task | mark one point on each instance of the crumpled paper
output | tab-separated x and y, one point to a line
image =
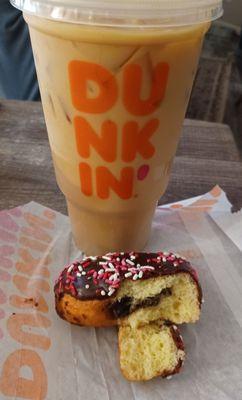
43	357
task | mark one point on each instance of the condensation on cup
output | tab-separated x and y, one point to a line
115	80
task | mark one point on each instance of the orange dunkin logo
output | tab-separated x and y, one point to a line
135	139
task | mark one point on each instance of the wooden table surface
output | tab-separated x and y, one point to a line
207	155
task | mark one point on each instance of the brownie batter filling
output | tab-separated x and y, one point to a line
126	305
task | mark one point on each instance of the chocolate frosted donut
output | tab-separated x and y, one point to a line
106	290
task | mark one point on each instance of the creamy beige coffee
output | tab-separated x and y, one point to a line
114	101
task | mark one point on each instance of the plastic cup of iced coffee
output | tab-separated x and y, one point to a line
115	79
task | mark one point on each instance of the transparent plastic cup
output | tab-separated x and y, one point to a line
115	80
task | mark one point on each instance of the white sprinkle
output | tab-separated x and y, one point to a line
129	262
174	327
103	292
128	274
106	258
175	264
138	265
103	263
84	273
70	268
80	268
111	291
113	277
118	259
87	286
164	259
122	253
78	274
158	258
132	257
92	258
166	253
135	277
169	377
101	271
140	274
111	265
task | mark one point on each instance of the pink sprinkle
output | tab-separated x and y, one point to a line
95	275
116	282
105	276
115	286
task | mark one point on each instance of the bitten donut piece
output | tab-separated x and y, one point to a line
106	290
150	351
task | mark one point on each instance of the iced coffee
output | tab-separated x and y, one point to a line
114	99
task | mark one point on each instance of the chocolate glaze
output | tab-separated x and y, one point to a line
100	277
176	336
180	346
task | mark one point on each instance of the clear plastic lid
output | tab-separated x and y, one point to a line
125	13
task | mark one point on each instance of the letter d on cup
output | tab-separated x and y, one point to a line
80	74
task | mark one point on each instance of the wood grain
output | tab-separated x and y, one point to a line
206	156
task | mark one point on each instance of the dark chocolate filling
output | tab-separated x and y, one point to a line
125	306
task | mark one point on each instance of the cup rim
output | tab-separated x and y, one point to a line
143	14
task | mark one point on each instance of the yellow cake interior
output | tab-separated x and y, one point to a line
148	351
181	305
